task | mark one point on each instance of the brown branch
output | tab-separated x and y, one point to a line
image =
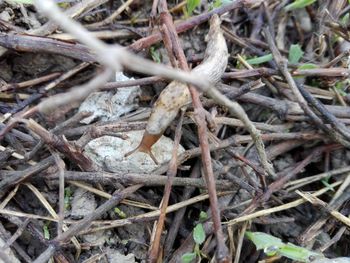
222	251
146	42
20	176
36	44
179	215
155	247
325	114
86	221
32	82
76	10
62	145
282	65
106	178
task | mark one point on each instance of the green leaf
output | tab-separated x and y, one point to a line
199	234
260	60
271	251
119	212
46	231
67	197
307	66
155	54
297	253
274	246
297	4
326	183
262	240
295	54
188	257
340	87
345	20
203	216
192	5
218	3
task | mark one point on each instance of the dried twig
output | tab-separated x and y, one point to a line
222	251
86	221
278	208
179	216
282	65
155	247
316	201
112	17
62	145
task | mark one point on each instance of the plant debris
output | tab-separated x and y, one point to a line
239	110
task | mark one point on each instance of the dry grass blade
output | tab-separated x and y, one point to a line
317	202
279	208
151	215
54	215
266	93
109	196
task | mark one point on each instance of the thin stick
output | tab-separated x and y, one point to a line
240	241
179	216
155	247
76	94
316	201
28	83
61	169
86	221
282	65
183	26
112	17
281	207
16	235
76	10
222	251
63	146
150	215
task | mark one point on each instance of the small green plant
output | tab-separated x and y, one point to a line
344	21
274	246
191	5
155	55
307	66
203	216
46	230
325	182
199	238
340	86
119	212
218	3
260	60
295	54
297	4
215	4
67	197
